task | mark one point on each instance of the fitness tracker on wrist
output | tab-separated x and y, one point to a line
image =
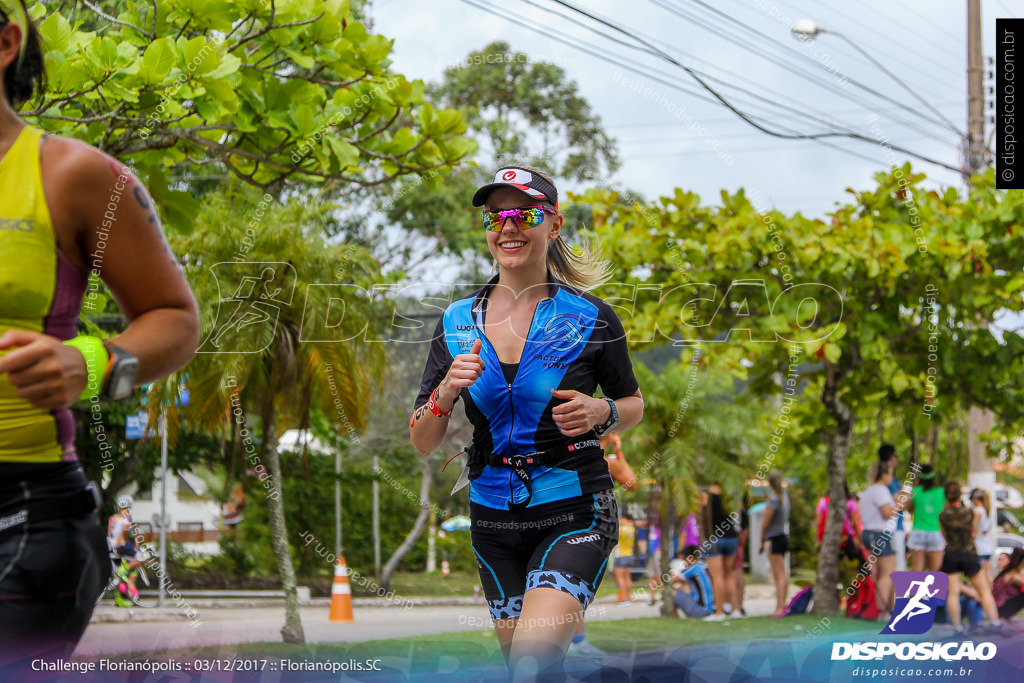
122	370
613	420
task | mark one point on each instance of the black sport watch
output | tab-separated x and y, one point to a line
119	382
613	420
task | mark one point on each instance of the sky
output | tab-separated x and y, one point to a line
670	138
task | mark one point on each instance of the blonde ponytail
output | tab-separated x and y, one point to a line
584	270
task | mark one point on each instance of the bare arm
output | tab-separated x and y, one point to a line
139	268
132	257
426	430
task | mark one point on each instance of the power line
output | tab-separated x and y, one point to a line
821	116
742	115
727	136
1005	9
906	87
490	9
786	49
812	78
733	119
875	30
771	102
956	40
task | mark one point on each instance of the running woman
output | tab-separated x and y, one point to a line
57	197
525	354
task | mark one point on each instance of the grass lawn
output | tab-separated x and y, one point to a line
421	584
480	648
460	584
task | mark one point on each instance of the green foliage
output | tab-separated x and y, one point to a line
882	310
274	92
521	111
455	547
529	111
859	293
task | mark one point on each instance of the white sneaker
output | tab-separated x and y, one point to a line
715	617
584	649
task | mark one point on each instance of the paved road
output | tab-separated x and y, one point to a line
167	628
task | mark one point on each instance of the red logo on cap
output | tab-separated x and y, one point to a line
508	175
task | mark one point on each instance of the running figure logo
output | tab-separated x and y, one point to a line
922	592
247	320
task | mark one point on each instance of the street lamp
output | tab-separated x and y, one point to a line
805	30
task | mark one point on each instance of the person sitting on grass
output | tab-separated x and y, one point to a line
693	594
1007	587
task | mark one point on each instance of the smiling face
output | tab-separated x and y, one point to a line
520	247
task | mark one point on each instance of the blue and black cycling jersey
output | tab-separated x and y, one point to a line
575	342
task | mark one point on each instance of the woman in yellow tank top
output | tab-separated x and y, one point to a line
65	209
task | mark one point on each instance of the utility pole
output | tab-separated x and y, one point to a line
979	421
974	159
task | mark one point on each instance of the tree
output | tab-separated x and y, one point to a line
270	92
528	110
270	349
520	111
889	299
689	431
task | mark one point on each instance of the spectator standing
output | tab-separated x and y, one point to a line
926	542
877	509
741	550
776	540
958	528
887	453
623	563
983	520
719	527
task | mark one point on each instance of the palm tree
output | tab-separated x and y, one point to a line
697	430
281	336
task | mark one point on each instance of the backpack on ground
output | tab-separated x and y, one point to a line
801	602
861	604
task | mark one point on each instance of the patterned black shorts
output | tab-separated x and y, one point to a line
562	545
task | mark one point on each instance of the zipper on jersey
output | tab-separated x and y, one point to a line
483	336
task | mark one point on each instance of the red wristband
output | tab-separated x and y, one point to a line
434	408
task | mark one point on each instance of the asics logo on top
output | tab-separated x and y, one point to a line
17	225
917	596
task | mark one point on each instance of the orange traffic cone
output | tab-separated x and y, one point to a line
341	594
445	569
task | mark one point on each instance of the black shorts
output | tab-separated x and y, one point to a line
51	572
779	544
562	545
966	563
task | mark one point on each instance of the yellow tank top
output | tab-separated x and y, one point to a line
627	536
40	291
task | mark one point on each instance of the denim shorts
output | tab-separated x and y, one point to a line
725	546
929	541
623	562
879	543
691	608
